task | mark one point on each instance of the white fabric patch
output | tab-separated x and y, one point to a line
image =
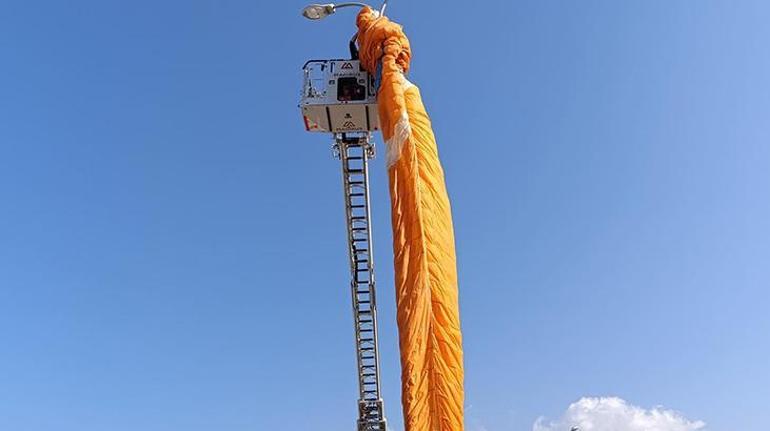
401	132
396	143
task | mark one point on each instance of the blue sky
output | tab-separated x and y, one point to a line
172	248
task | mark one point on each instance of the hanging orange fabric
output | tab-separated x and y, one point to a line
423	238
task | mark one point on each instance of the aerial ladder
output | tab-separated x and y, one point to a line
339	97
354	154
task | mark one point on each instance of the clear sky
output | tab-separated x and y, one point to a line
172	250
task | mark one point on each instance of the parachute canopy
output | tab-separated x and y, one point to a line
428	315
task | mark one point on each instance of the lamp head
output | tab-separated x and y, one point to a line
318	11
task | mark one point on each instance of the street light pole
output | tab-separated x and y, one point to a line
320	11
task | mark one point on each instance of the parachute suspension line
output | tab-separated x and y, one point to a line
354	153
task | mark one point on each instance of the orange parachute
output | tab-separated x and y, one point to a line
423	239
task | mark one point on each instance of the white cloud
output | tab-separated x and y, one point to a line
615	414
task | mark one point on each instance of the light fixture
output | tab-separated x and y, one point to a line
318	11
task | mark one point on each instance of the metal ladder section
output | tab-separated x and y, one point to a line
355	153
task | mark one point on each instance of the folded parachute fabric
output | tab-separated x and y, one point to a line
428	315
